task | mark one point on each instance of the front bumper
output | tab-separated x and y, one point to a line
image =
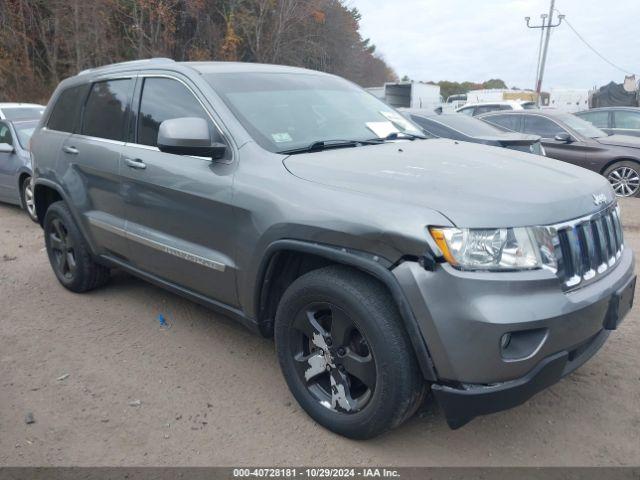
461	405
463	316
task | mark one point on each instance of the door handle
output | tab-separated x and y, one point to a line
135	163
71	150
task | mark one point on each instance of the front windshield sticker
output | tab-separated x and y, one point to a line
399	120
281	137
382	129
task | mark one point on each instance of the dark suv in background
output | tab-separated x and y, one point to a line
385	264
614	120
571	139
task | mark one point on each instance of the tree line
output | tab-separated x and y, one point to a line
45	41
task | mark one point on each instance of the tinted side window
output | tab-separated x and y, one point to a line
626	119
510	122
467	111
107	109
443	131
430	128
541	126
163	99
66	111
599	119
486	109
5	134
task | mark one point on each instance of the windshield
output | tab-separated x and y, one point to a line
581	126
468	125
24	130
288	111
22	113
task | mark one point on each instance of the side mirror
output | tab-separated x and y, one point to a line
564	137
6	148
189	136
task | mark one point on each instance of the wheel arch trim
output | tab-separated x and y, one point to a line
364	262
42	182
619	159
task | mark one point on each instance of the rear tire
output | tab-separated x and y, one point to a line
69	253
28	200
332	323
624	178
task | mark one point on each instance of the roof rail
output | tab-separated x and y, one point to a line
130	63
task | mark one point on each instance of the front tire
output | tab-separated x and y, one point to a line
28	200
344	353
624	177
69	253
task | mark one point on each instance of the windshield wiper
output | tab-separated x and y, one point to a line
407	135
326	144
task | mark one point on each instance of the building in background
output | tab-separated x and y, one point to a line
568	99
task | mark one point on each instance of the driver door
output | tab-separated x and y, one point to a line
178	207
571	152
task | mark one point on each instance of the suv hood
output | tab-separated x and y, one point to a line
620	141
473	185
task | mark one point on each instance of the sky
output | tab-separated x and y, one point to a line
477	40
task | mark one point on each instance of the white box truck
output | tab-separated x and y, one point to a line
409	95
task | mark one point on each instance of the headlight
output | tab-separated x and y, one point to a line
497	248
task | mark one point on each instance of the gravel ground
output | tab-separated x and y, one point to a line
106	385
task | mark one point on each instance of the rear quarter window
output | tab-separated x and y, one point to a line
65	114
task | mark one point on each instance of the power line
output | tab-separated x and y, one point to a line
596	51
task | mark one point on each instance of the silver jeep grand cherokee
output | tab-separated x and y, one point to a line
385	265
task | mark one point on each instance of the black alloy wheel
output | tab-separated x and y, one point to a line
63	249
332	358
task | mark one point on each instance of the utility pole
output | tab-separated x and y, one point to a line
542	51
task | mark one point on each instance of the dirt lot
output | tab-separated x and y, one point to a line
211	393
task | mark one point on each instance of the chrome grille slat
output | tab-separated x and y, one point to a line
604	249
611	239
588	247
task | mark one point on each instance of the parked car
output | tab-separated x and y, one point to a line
571	139
384	264
20	111
15	164
614	120
473	109
468	129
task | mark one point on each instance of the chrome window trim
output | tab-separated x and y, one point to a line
126	76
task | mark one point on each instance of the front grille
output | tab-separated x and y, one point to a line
586	248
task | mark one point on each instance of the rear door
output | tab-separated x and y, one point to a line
573	152
92	163
180	223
